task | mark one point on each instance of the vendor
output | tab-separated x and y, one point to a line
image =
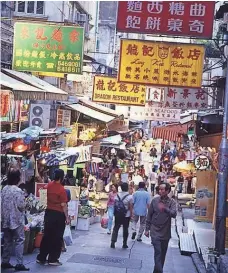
84	195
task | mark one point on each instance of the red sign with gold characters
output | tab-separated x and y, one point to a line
173	18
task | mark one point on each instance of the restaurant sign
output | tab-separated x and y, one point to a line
172	18
201	162
184	98
48	48
155	114
161	63
108	90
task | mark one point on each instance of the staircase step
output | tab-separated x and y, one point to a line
187	244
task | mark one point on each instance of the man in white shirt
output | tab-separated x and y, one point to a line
153	177
137	179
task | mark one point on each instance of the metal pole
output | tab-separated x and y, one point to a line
222	180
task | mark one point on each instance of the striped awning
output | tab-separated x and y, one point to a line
170	132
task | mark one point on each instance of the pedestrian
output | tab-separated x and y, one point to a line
162	146
153	177
141	202
13	217
56	216
158	225
110	206
162	177
153	151
180	183
123	214
155	162
137	178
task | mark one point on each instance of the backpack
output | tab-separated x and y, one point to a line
119	207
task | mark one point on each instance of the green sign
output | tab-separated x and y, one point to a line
48	48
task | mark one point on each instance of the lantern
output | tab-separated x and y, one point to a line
19	146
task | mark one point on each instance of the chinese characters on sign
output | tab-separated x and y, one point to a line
48	48
161	64
187	18
108	90
63	118
202	162
154	94
184	98
155	114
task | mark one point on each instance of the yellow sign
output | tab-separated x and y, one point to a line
158	63
108	90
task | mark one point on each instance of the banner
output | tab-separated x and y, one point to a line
48	48
108	90
185	98
171	18
155	114
161	63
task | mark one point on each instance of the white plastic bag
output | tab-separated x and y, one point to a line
67	236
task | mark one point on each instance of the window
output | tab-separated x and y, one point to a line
21	6
3	5
40	7
30	7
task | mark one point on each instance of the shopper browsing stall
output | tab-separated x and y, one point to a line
13	206
56	216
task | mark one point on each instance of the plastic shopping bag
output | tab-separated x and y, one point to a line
104	222
67	236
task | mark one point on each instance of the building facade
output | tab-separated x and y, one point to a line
6	34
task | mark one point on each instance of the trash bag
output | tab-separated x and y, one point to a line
104	222
67	236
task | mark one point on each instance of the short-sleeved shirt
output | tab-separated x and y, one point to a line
56	195
127	201
141	199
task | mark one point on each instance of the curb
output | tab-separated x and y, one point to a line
200	267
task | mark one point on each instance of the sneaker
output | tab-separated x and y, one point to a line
41	262
125	246
6	266
109	232
139	240
57	263
133	236
21	267
112	245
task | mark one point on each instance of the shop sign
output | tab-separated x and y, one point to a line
48	48
155	114
201	162
161	63
63	118
185	98
108	90
154	94
85	153
171	18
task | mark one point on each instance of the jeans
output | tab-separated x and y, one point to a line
142	219
160	249
121	221
10	235
110	217
51	244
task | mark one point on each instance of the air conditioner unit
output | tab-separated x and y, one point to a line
40	115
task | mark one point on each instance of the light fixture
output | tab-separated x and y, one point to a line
19	146
43	161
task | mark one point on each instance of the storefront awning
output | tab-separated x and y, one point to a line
25	86
91	113
170	132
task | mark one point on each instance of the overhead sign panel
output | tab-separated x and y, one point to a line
155	114
172	18
108	90
161	63
48	48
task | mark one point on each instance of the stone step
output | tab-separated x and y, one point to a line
187	244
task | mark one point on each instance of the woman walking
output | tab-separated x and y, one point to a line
110	206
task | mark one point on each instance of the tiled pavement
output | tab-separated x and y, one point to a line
138	258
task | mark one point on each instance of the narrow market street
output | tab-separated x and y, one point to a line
91	253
